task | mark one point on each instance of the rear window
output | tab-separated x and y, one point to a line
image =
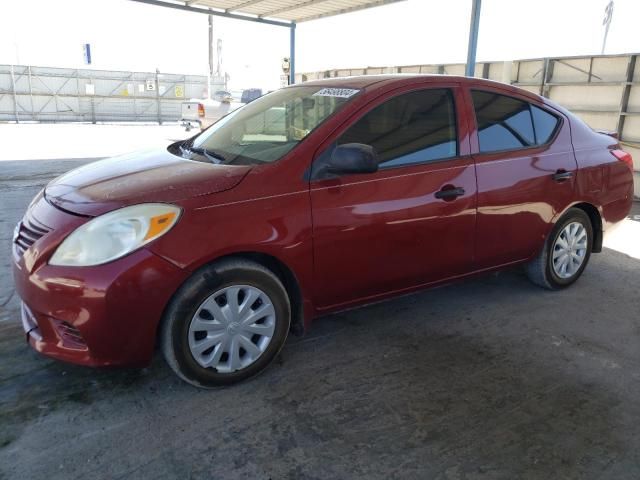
544	123
507	123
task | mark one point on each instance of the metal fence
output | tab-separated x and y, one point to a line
48	94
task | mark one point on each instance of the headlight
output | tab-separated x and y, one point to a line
115	234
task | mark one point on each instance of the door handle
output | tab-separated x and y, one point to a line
562	175
449	193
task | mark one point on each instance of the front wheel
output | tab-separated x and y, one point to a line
226	323
565	253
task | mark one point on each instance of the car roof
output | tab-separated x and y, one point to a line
372	82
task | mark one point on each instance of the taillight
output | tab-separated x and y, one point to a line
200	110
623	157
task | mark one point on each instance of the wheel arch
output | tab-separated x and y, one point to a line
595	216
286	276
280	269
596	222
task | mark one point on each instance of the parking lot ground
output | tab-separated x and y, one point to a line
492	378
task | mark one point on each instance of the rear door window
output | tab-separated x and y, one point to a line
507	123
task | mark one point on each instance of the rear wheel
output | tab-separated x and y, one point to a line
226	323
565	253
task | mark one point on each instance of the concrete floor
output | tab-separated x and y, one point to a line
488	379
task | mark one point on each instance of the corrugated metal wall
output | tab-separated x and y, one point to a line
49	94
603	90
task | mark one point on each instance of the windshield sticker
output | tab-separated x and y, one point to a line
336	92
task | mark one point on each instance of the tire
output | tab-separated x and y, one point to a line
543	271
205	343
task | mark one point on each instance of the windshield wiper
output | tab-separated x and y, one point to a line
211	156
214	157
184	149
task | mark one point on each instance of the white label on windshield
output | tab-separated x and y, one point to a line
336	92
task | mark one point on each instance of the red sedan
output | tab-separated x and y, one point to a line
311	199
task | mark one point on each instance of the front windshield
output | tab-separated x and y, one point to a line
264	130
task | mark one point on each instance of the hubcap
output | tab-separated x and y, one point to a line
569	250
232	328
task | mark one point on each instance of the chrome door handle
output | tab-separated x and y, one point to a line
450	193
562	175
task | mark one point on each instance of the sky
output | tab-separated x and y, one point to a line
126	35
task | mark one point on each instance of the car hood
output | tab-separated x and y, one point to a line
149	176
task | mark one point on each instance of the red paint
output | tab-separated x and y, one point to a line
115	306
347	240
137	178
517	196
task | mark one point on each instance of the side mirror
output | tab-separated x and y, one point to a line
352	158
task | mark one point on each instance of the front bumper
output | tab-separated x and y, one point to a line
95	316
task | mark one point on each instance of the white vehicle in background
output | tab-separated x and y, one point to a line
200	114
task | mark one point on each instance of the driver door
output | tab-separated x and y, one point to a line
411	222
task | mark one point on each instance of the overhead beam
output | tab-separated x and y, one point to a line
206	11
237	12
473	38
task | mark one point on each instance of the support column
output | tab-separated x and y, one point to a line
473	38
158	99
33	112
626	93
292	54
15	97
547	76
210	76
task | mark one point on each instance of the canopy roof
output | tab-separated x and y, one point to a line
288	13
287	10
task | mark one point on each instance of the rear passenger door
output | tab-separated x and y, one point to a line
402	226
526	174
